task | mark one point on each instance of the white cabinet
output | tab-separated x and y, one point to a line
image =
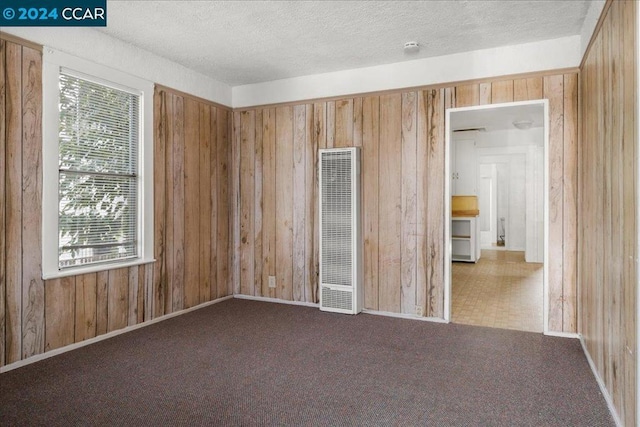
465	245
463	168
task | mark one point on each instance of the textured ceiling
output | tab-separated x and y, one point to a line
249	42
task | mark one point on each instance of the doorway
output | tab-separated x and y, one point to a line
497	155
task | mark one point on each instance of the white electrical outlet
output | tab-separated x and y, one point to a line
418	310
272	281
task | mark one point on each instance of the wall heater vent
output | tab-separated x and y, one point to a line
340	231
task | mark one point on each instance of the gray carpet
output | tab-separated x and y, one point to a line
252	363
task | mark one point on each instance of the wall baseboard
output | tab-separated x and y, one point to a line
404	316
603	387
276	300
365	311
562	334
74	346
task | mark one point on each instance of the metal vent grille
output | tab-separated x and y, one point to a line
336	218
337	299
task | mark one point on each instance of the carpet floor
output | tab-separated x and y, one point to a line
251	363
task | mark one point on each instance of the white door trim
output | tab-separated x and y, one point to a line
447	204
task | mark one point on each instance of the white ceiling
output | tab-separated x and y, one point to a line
242	42
497	117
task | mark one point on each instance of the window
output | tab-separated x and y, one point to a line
97	177
97	205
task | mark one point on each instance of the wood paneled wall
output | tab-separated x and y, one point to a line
402	136
192	222
193	217
22	292
608	231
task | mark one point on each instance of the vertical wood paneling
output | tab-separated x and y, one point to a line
214	184
527	89
403	217
269	200
172	126
310	224
587	279
32	283
233	280
118	293
450	97
553	90
616	345
607	228
36	316
370	184
330	124
142	281
191	203
570	202
299	187
13	201
85	306
160	199
258	204
502	91
59	312
583	85
343	123
204	197
102	293
467	95
284	205
630	237
178	276
132	313
166	210
357	122
234	235
408	227
598	211
224	203
436	104
605	160
147	310
390	202
591	282
247	198
3	165
319	141
422	186
485	93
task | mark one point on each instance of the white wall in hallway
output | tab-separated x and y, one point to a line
518	156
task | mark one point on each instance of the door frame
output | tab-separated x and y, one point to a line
447	204
493	220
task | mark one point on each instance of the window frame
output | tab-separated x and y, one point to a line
53	63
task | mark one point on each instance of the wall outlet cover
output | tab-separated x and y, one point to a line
272	281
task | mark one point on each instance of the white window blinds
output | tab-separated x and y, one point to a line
99	133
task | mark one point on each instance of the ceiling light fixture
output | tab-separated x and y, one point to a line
411	47
523	124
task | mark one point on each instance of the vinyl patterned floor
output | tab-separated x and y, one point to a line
500	291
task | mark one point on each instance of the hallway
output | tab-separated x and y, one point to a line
500	291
